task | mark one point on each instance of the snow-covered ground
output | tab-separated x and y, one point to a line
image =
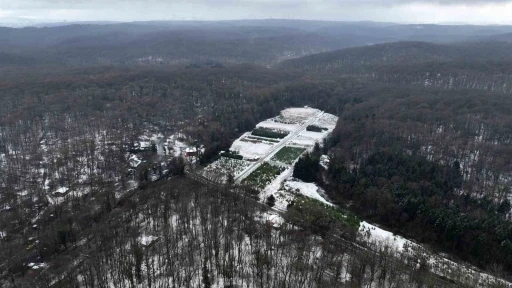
62	190
310	190
175	145
251	149
36	266
292	120
327	121
271	218
377	235
308	139
298	114
146	240
274	125
285	189
282	201
134	161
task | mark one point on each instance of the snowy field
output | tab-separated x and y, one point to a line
252	149
297	114
308	139
289	119
292	120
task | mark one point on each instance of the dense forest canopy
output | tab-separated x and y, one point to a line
468	65
422	146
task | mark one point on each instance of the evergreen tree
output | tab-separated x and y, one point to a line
271	201
307	168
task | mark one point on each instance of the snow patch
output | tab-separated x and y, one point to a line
145	240
310	190
271	218
134	161
62	190
375	234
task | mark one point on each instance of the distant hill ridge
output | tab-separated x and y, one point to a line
356	59
264	42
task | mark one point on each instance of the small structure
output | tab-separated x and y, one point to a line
191	152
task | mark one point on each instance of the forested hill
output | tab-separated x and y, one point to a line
15	59
361	59
470	65
171	43
500	38
72	129
263	42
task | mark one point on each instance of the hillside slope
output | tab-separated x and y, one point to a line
473	65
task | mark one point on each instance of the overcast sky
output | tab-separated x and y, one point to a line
407	11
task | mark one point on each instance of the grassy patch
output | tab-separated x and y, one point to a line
314	128
247	140
263	176
319	217
288	155
269	133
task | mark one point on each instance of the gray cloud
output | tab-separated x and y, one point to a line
51	4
